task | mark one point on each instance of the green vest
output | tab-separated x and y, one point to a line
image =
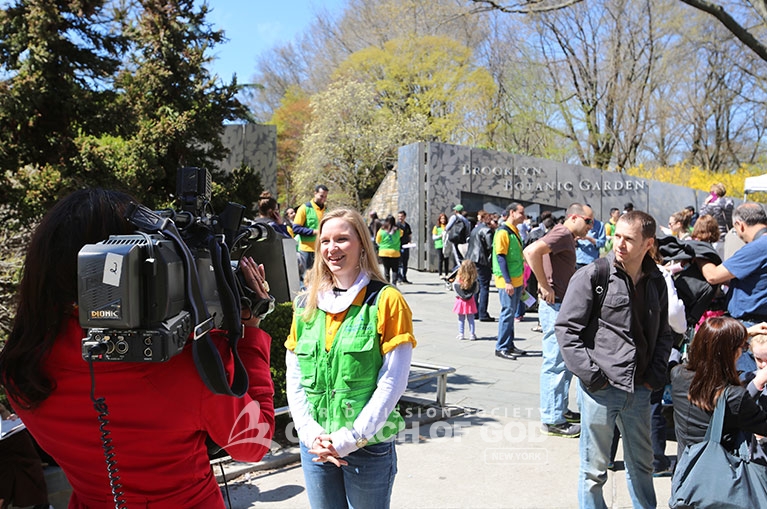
389	241
312	221
438	243
514	260
339	383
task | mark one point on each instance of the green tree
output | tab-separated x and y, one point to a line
431	77
291	120
57	60
174	109
351	144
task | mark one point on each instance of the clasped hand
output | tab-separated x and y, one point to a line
323	448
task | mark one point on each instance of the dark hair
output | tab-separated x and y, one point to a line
48	289
646	222
750	213
576	209
712	358
706	229
402	212
682	217
512	206
628	206
320	187
266	203
614	209
390	222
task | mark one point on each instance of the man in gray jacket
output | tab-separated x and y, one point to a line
620	353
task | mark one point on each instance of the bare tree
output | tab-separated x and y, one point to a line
599	59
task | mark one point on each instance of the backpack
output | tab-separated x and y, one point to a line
459	232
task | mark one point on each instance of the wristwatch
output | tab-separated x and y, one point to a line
360	440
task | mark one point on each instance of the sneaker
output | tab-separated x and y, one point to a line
663	472
459	336
565	429
473	337
572	417
536	328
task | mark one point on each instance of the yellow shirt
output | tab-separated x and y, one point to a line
501	243
307	244
395	322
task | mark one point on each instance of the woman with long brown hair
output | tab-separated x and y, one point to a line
159	414
698	385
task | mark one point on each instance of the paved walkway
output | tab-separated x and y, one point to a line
490	455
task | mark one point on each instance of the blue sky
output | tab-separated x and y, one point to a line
255	26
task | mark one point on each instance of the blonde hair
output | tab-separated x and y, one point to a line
467	274
759	338
320	277
719	189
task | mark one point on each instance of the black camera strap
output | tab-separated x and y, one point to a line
207	358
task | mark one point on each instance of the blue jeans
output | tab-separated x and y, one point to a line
555	377
506	319
365	483
745	363
484	275
600	412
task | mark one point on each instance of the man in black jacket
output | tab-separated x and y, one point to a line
480	251
620	354
407	236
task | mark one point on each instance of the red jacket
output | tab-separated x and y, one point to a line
159	417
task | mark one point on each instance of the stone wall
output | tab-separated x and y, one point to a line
254	145
433	177
385	199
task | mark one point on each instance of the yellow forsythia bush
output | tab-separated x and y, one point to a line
699	178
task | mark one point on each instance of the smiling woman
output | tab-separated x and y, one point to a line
348	359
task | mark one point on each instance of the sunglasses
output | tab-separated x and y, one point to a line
586	220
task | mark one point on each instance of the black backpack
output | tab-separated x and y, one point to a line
459	232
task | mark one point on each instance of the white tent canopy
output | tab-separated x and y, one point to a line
755	185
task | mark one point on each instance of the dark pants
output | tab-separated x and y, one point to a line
484	275
658	432
444	263
390	266
404	257
22	481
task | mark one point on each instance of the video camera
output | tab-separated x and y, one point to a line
141	295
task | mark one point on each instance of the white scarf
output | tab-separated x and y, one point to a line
335	301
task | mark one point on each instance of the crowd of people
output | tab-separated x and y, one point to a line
628	312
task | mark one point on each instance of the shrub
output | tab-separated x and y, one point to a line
277	325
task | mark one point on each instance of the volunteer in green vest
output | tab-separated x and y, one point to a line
437	234
388	240
306	225
348	360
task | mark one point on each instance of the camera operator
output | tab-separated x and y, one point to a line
159	413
